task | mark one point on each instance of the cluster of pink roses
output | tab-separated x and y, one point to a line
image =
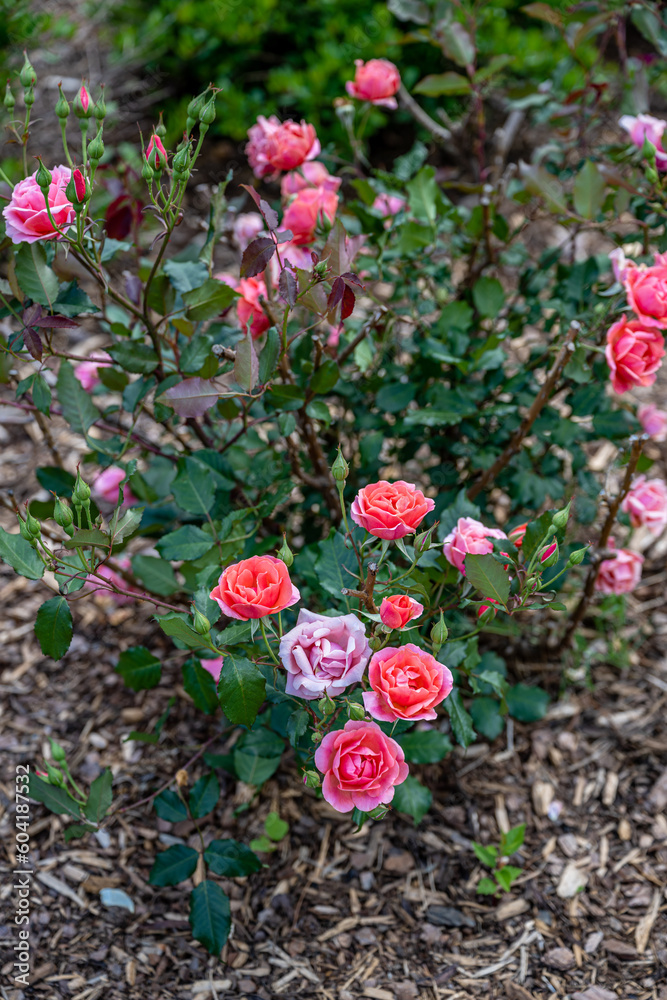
636	347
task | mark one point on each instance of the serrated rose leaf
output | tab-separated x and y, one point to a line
287	286
256	256
54	322
246	365
270	215
33	344
192	397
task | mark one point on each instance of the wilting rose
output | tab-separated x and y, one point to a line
517	534
309	207
312	174
642	127
247	226
407	683
115	578
249	306
646	504
634	353
255	587
376	81
105	487
620	574
87	371
654	421
26	217
469	537
323	655
390	510
361	767
398	610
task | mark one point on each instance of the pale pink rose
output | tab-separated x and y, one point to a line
26	217
247	226
398	610
469	536
621	574
389	204
87	372
376	81
323	655
114	578
249	306
406	683
254	588
105	487
309	206
642	127
654	421
646	288
312	174
214	667
361	767
634	353
646	504
620	263
390	510
276	146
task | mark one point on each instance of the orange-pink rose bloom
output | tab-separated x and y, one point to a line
634	353
398	610
376	81
254	588
407	683
390	510
249	306
309	206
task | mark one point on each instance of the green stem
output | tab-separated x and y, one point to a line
266	642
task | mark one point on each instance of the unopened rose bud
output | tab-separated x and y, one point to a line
82	103
57	751
549	555
62	107
156	154
560	519
648	150
340	470
487	612
9	100
207	113
181	161
375	642
160	128
81	491
182	778
285	553
201	624
321	268
43	176
96	148
326	705
316	736
77	189
27	76
194	110
147	172
517	534
651	174
62	513
357	712
100	107
577	557
32	524
25	532
312	779
422	542
439	632
56	776
379	812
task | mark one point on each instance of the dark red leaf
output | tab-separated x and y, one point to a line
33	343
31	314
253	194
336	294
122	214
287	286
352	278
314	257
256	256
54	322
347	307
270	215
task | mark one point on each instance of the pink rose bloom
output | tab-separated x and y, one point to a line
249	306
297	255
469	536
312	174
398	610
621	574
214	667
323	655
620	263
276	146
634	353
310	206
642	127
361	767
106	486
654	421
646	504
26	217
376	81
114	578
389	204
390	510
247	225
646	288
256	149
87	373
254	588
407	683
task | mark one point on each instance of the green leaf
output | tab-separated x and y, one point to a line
526	703
53	797
241	689
231	859
438	84
170	806
78	408
139	669
511	841
204	796
140	359
487	855
275	827
20	555
589	190
210	916
41	395
488	577
269	355
253	768
176	626
99	797
246	365
427	747
53	627
155	574
456	43
35	278
297	725
423	193
200	685
325	377
332	562
209	300
184	275
486	887
506	875
188	542
88	536
194	487
486	717
488	296
77	830
123	525
461	721
413	798
55	480
173	865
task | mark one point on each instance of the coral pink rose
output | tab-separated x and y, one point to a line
361	767
309	206
313	174
376	81
390	510
247	225
26	217
254	588
114	578
646	504
323	655
634	353
642	127
87	372
646	288
621	574
469	536
105	487
517	534
407	683
249	306
654	421
256	149
398	610
274	146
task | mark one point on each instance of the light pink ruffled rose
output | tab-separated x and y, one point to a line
407	683
398	610
247	226
87	372
654	421
390	510
621	574
646	504
274	146
26	217
114	578
323	655
255	587
361	767
634	353
312	174
375	81
105	487
640	127
308	207
469	537
249	306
